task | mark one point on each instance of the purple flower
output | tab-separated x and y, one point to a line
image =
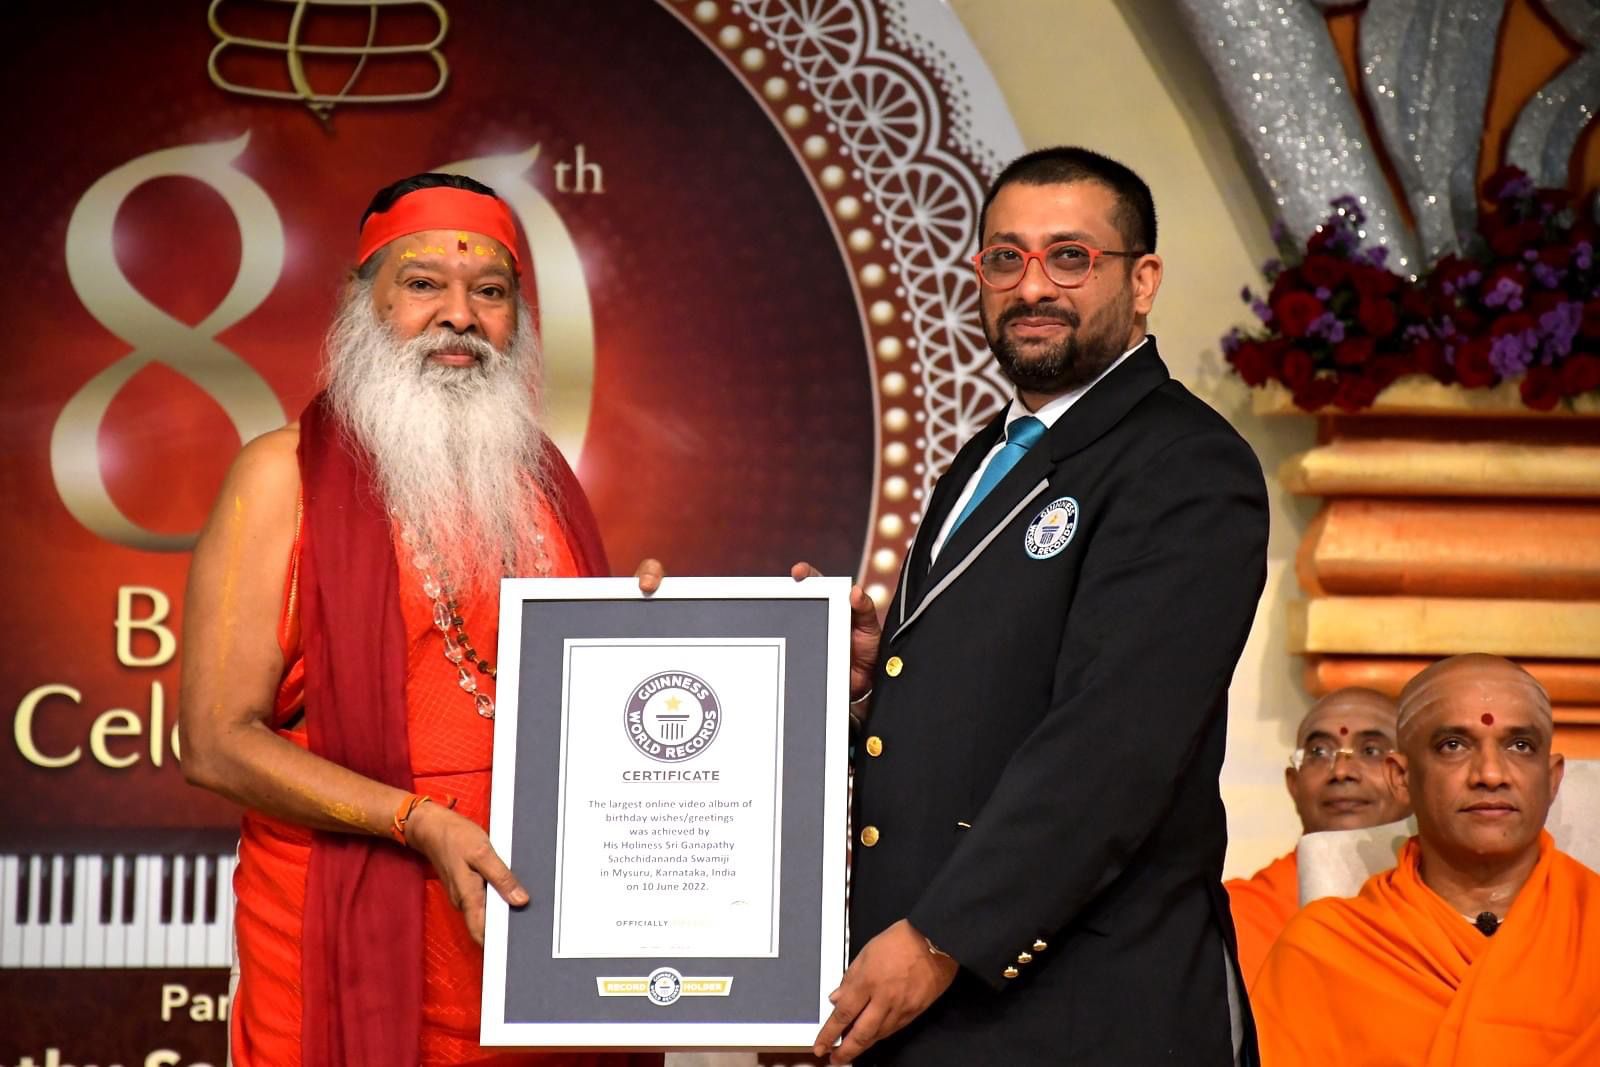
1272	268
1323	293
1377	255
1516	188
1415	332
1262	309
1506	293
1280	232
1583	255
1349	207
1328	327
1511	353
1232	340
1548	276
1245	295
1559	327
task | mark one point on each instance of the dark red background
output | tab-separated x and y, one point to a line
731	429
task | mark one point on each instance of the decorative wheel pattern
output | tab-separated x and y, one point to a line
881	116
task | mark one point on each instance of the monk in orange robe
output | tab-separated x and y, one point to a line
1478	949
340	635
1337	782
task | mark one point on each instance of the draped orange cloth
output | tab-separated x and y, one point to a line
451	753
1262	906
1396	976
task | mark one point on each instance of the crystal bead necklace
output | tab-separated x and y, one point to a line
447	616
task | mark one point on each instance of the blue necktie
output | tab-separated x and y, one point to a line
1021	434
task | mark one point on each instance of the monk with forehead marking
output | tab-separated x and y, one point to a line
1477	948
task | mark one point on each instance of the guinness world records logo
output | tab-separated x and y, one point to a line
672	716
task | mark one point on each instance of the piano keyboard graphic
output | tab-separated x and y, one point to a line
113	911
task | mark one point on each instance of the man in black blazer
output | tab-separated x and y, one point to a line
1040	834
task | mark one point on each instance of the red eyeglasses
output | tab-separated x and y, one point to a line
1068	264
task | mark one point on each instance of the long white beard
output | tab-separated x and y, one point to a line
457	450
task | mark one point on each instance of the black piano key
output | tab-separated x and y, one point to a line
213	887
108	868
24	891
47	884
167	889
191	887
129	871
69	888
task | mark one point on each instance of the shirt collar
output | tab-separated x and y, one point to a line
1052	409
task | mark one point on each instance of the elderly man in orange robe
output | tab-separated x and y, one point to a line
340	634
1337	782
1478	949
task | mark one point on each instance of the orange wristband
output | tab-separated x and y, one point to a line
403	813
408	807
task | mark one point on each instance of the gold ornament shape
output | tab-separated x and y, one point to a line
294	49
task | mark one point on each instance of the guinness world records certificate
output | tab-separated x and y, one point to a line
669	785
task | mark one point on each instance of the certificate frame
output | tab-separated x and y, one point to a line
552	975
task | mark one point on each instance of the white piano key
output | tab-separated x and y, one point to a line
33	927
177	930
147	946
229	910
55	917
72	936
93	931
134	944
116	941
10	929
210	949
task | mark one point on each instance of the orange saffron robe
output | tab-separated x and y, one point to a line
1396	976
1262	906
451	753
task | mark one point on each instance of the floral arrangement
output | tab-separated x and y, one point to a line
1521	302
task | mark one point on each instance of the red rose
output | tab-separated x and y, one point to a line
1295	312
1389	366
1414	303
1353	351
1472	363
1467	320
1374	281
1590	327
1427	356
1544	301
1315	394
1355	392
1296	368
1540	389
1580	374
1557	256
1377	316
1508	241
1253	362
1322	271
1516	322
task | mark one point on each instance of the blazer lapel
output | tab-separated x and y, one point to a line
1095	413
914	574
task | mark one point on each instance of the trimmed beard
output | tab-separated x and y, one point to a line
1068	364
457	452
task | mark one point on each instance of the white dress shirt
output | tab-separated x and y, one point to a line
1048	413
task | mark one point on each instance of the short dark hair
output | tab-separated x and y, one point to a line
1135	216
384	198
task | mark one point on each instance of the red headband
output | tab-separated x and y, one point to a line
440	208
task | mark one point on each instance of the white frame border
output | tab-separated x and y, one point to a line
495	1031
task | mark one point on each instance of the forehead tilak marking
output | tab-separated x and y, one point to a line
1487	719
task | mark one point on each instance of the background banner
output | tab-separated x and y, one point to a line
747	226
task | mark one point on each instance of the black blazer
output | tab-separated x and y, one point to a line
1038	773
